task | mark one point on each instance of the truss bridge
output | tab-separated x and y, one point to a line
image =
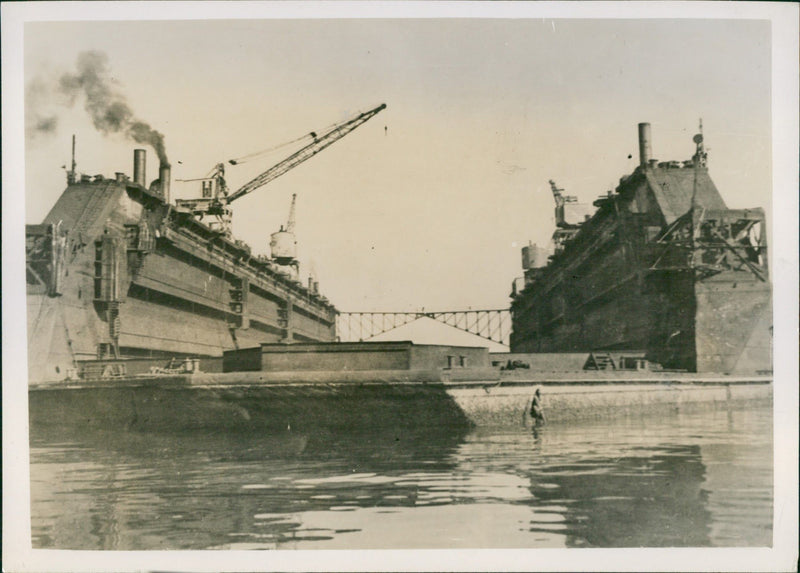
494	324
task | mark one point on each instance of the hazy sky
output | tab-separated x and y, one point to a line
428	204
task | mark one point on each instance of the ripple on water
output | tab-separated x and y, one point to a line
671	480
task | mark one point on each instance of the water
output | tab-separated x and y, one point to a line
675	480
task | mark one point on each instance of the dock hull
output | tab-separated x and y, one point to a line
662	270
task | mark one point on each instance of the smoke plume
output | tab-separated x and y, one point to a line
108	109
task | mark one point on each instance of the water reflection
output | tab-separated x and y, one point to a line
696	480
142	490
655	499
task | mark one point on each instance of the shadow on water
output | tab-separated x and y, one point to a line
190	489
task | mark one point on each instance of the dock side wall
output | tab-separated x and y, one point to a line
564	403
240	401
734	326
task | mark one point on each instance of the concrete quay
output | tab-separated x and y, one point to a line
399	399
568	398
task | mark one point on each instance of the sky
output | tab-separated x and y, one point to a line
428	204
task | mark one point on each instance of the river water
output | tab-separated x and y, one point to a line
672	480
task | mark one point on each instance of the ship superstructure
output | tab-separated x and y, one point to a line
662	270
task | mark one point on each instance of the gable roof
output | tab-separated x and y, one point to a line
673	190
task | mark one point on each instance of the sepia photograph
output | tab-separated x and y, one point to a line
541	294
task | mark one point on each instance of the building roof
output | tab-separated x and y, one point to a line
673	189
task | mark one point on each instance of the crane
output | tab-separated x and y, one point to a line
216	199
561	200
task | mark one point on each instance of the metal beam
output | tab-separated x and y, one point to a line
491	324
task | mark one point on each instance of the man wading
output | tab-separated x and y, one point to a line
537	412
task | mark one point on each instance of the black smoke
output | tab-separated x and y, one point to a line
107	107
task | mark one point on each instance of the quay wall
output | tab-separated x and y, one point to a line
175	406
379	399
572	401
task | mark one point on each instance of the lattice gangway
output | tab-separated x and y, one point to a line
494	325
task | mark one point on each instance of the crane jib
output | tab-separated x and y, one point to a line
331	136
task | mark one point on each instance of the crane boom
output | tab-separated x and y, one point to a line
557	194
321	142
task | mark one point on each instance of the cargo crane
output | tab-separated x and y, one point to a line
564	230
216	200
561	200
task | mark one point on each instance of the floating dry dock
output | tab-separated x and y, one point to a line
659	264
372	388
119	270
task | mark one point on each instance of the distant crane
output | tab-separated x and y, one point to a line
564	229
561	200
283	243
216	200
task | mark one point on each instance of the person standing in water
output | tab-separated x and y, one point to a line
537	412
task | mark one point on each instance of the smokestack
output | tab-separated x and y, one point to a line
164	173
139	158
71	177
644	144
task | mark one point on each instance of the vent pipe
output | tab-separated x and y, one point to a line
164	173
139	158
644	144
